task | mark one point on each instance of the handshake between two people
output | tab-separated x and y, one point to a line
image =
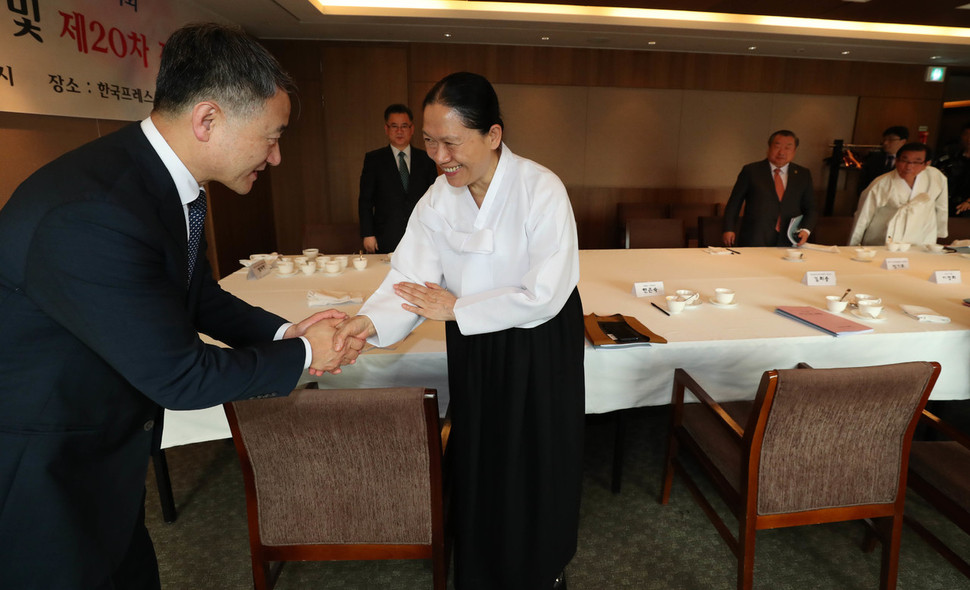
335	339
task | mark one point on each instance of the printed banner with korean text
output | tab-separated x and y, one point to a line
85	58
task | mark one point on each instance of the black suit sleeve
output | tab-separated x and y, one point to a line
106	276
738	195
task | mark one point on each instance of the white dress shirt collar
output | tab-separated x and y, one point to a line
185	183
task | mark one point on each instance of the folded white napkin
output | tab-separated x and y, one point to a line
717	251
321	297
924	314
820	248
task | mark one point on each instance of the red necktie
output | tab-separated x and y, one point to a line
780	191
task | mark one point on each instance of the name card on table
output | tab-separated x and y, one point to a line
648	288
946	277
259	269
820	278
895	263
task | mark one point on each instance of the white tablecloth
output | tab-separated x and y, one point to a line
725	349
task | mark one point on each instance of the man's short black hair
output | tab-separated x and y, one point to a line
897	130
398	108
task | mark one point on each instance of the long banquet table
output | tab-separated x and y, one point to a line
725	349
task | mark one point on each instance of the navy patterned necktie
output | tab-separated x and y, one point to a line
402	167
197	210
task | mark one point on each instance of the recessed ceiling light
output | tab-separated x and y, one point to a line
752	48
651	42
963	7
448	35
544	38
936	57
846	52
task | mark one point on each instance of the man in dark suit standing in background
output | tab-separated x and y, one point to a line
773	192
104	289
394	178
879	162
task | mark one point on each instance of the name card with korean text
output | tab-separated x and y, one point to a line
258	269
946	277
895	263
648	288
820	278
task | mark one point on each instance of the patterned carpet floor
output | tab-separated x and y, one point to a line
626	541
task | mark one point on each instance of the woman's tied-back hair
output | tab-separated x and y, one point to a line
471	96
209	61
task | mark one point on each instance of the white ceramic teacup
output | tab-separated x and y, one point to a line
936	248
870	307
285	266
300	260
321	260
723	295
835	304
311	253
686	295
897	246
675	304
860	297
360	263
864	253
309	267
342	260
332	266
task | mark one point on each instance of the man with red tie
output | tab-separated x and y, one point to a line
773	191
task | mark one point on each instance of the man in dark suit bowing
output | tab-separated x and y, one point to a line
392	181
104	289
773	192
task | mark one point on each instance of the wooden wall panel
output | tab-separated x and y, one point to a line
27	142
632	137
547	124
875	114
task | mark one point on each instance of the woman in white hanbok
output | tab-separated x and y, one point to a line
491	249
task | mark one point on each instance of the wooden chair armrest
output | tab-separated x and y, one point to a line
681	376
952	433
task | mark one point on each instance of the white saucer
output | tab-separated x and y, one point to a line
864	316
802	259
694	304
287	275
716	304
863	259
937	253
334	274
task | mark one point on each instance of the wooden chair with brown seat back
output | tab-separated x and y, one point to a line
627	211
333	238
832	231
710	231
939	471
691	214
815	446
655	233
341	475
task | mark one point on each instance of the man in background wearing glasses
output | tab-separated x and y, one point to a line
908	204
393	179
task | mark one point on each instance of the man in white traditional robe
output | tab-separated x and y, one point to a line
908	204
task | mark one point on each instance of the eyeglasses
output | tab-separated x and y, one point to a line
404	127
